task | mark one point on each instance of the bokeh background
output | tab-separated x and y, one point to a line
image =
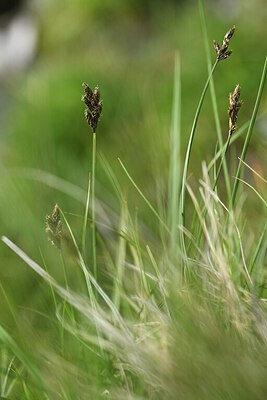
126	47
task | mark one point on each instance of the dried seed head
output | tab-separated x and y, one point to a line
87	90
217	47
94	106
222	52
230	33
225	55
87	102
234	107
96	97
54	227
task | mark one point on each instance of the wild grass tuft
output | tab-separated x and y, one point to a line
133	323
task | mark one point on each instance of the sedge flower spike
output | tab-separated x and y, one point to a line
234	107
94	106
222	52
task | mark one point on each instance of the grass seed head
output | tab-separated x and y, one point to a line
222	52
234	107
94	105
54	227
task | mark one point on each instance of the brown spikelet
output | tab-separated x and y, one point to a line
54	227
87	90
230	33
234	107
217	47
93	104
222	52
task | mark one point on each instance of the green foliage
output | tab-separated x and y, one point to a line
127	308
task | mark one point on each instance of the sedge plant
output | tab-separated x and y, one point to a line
92	113
144	332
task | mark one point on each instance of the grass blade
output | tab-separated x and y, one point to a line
120	260
213	96
255	190
175	162
144	197
249	133
12	346
254	172
190	143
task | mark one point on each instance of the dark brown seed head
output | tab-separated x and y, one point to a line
222	52
216	46
234	107
96	97
225	55
94	106
87	90
230	33
97	110
87	102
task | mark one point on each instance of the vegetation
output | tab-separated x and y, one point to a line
166	300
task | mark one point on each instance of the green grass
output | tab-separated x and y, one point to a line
123	319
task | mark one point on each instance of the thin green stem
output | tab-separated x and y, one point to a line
213	97
222	160
86	217
187	157
204	209
190	143
175	164
93	206
249	133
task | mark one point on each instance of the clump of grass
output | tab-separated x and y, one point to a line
148	331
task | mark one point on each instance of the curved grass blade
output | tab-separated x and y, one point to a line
213	96
144	197
249	133
12	346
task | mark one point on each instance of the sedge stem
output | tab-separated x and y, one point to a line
93	206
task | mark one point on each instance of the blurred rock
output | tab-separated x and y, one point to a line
18	37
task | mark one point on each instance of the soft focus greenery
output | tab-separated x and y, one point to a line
182	335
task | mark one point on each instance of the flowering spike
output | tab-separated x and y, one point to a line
234	107
94	106
54	227
222	52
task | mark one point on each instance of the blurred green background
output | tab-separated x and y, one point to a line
127	48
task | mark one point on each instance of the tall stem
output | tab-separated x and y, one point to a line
175	164
213	97
222	160
249	133
93	206
189	147
204	209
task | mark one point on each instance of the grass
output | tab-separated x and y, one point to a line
131	323
249	132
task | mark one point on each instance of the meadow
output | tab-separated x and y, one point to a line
133	244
